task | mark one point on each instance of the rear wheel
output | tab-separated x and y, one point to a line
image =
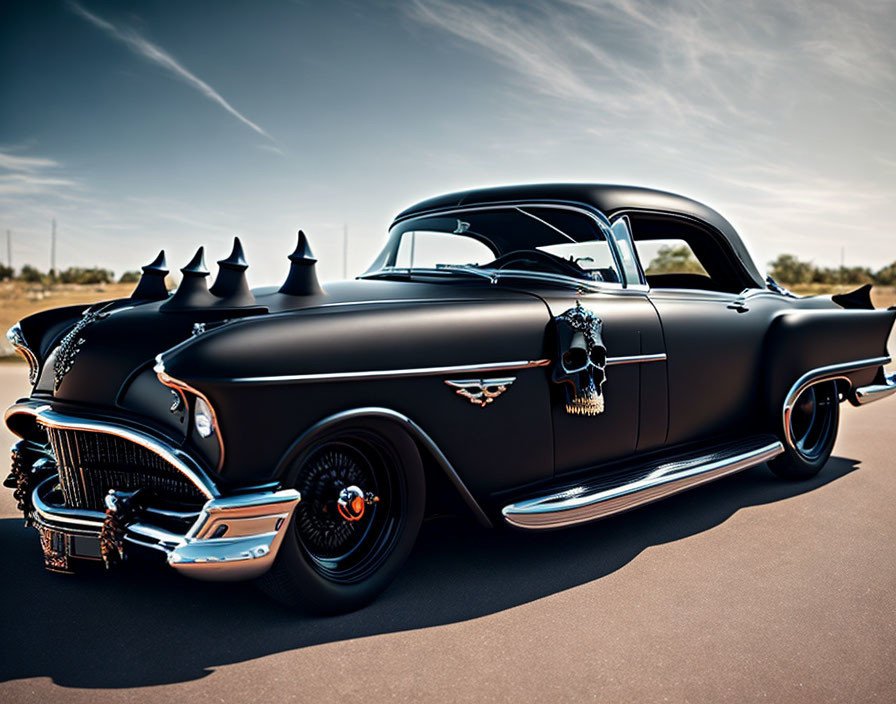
814	421
363	496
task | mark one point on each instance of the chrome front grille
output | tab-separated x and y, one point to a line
92	463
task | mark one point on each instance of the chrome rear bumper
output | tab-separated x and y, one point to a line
231	538
875	392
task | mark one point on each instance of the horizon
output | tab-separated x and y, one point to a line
142	126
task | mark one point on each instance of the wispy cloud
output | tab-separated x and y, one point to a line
27	175
627	59
13	162
151	52
760	107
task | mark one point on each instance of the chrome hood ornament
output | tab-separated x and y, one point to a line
481	392
71	344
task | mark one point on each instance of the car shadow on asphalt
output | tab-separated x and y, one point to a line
140	628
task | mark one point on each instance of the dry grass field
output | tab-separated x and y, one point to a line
881	296
18	299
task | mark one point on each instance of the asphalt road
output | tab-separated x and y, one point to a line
746	589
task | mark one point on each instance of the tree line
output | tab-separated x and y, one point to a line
786	269
789	269
73	275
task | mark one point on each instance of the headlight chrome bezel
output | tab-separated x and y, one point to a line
191	397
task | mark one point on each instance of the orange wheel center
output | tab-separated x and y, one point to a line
352	503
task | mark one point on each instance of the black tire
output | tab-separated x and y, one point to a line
813	427
329	565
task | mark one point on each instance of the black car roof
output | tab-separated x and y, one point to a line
608	198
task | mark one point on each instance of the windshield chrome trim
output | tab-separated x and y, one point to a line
495	275
601	220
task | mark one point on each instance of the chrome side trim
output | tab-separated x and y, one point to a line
636	359
391	373
875	392
415	432
830	372
47	417
574	506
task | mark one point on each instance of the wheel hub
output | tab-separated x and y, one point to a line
353	501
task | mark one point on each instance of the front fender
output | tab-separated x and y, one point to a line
271	379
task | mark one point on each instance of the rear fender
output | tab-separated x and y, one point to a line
813	345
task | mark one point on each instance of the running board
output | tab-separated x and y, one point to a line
620	491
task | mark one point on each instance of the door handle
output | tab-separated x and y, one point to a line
739	305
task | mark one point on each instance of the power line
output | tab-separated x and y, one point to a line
53	249
345	251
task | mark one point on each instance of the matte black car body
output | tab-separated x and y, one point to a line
703	377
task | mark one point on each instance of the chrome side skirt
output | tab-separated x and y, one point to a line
615	494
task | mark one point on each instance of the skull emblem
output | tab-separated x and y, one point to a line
581	360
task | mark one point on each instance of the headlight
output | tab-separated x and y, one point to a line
203	418
17	340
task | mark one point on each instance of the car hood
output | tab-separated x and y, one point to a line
95	358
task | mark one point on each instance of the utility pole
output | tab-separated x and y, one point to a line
345	251
9	249
842	257
53	250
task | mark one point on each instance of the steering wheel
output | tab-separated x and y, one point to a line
536	260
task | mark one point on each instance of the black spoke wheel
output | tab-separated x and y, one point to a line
362	499
339	549
813	425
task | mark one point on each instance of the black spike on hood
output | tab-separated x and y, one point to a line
231	284
193	290
151	286
302	278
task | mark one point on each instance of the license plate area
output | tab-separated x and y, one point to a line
60	547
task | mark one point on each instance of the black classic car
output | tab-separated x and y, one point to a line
514	353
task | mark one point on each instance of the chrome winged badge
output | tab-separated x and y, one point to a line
481	392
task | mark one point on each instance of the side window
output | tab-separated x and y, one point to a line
425	249
668	256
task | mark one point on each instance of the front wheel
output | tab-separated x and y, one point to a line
363	496
813	426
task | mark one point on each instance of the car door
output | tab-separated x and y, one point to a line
713	336
634	412
714	346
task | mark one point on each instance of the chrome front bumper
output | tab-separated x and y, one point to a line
231	538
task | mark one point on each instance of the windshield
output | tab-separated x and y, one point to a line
545	239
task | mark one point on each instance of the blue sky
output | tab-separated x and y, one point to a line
162	124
